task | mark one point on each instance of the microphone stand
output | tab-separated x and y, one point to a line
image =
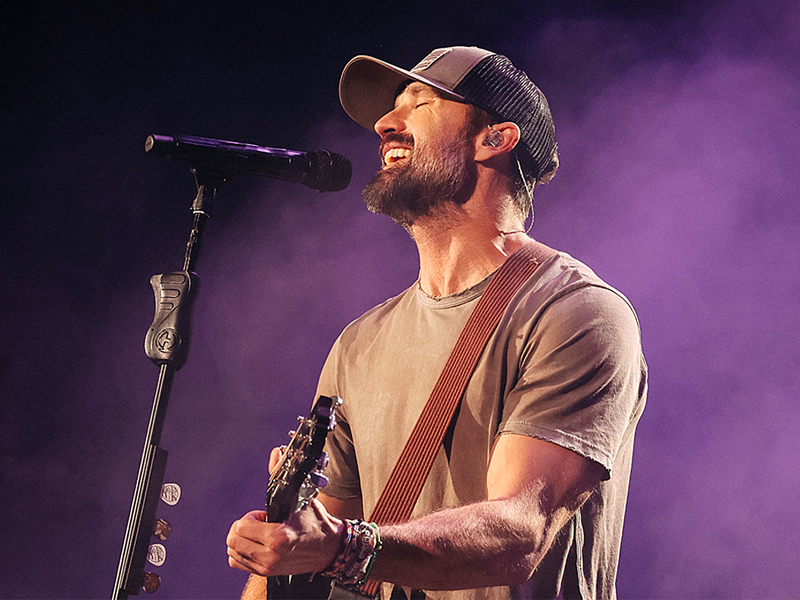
167	345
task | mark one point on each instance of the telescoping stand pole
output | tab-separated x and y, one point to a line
167	345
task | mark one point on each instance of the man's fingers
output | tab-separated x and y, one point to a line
306	542
275	457
272	534
258	560
251	526
239	562
256	546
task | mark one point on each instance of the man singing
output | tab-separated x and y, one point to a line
526	497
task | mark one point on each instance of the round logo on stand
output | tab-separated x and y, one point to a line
168	339
171	493
157	554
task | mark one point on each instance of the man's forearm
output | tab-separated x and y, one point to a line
480	545
490	543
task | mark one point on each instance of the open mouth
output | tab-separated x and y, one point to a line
394	155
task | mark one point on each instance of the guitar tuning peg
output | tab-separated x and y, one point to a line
151	582
292	432
322	461
318	479
162	529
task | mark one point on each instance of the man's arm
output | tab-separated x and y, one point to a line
533	488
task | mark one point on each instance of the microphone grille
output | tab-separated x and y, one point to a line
329	172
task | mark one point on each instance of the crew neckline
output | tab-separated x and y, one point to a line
456	299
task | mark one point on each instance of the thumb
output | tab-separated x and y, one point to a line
256	515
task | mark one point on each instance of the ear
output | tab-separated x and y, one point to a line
496	140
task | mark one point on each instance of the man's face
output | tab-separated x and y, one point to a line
426	154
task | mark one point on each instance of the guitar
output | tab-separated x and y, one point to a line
297	479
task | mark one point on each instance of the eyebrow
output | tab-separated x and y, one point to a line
417	88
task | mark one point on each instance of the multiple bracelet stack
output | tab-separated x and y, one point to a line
360	546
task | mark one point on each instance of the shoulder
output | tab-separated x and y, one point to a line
566	311
368	324
564	285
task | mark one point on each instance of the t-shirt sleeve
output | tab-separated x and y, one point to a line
581	376
342	470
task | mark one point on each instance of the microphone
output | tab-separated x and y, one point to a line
323	171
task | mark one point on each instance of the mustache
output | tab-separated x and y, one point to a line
400	138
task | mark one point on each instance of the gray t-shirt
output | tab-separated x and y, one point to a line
564	365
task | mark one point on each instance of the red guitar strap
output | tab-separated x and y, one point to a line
405	483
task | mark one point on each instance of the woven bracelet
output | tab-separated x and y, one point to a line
360	546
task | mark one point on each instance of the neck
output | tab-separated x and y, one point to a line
460	248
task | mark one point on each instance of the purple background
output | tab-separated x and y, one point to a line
679	132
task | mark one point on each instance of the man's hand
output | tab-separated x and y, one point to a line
306	542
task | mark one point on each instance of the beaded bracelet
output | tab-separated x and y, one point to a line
360	546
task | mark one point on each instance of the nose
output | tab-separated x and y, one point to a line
391	122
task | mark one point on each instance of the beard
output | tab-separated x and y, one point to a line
434	176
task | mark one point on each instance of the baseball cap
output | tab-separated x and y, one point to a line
368	88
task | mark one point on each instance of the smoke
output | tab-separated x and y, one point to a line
679	140
678	185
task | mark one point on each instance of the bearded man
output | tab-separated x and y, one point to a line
526	496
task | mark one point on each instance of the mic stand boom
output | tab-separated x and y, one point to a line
167	345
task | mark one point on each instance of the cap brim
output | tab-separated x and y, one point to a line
368	88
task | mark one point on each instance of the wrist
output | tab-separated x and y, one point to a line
360	544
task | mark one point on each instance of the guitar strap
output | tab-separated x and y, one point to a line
405	483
